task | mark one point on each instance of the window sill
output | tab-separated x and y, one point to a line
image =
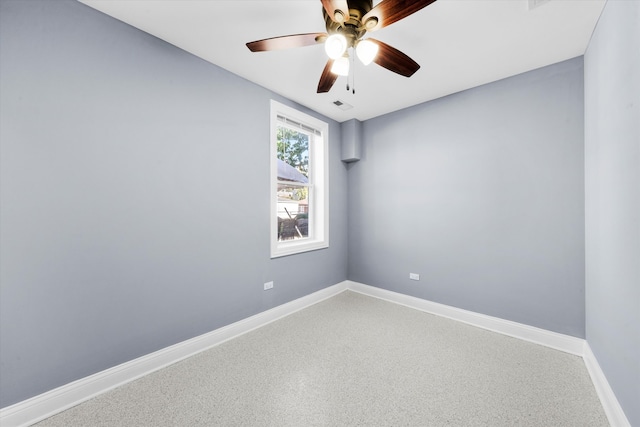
292	248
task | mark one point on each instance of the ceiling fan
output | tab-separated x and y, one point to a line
347	22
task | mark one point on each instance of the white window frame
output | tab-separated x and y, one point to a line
318	184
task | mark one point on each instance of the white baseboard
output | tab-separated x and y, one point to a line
52	402
568	344
610	403
57	400
557	341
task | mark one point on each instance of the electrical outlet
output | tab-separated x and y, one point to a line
268	285
414	276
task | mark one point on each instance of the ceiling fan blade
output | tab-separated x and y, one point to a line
327	79
287	42
338	10
389	11
394	60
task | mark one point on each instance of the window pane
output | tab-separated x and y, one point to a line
293	155
293	212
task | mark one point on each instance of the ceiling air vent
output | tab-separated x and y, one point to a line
342	105
535	3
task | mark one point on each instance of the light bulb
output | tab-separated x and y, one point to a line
335	45
366	51
341	66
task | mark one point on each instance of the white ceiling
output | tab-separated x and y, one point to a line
458	43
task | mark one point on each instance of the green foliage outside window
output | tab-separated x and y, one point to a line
293	148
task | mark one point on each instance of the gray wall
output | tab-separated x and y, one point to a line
135	198
482	194
612	175
122	232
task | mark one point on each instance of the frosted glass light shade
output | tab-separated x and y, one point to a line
341	66
335	45
367	51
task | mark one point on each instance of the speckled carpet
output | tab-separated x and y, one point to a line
354	360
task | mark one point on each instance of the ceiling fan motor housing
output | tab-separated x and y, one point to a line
353	28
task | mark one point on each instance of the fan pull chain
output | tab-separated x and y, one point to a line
353	81
348	82
352	74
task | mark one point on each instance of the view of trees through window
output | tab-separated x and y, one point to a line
293	183
293	149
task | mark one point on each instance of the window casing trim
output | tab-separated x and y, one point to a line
318	183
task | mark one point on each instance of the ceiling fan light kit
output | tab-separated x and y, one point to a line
366	50
347	22
335	46
341	66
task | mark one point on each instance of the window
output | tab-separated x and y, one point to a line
299	182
